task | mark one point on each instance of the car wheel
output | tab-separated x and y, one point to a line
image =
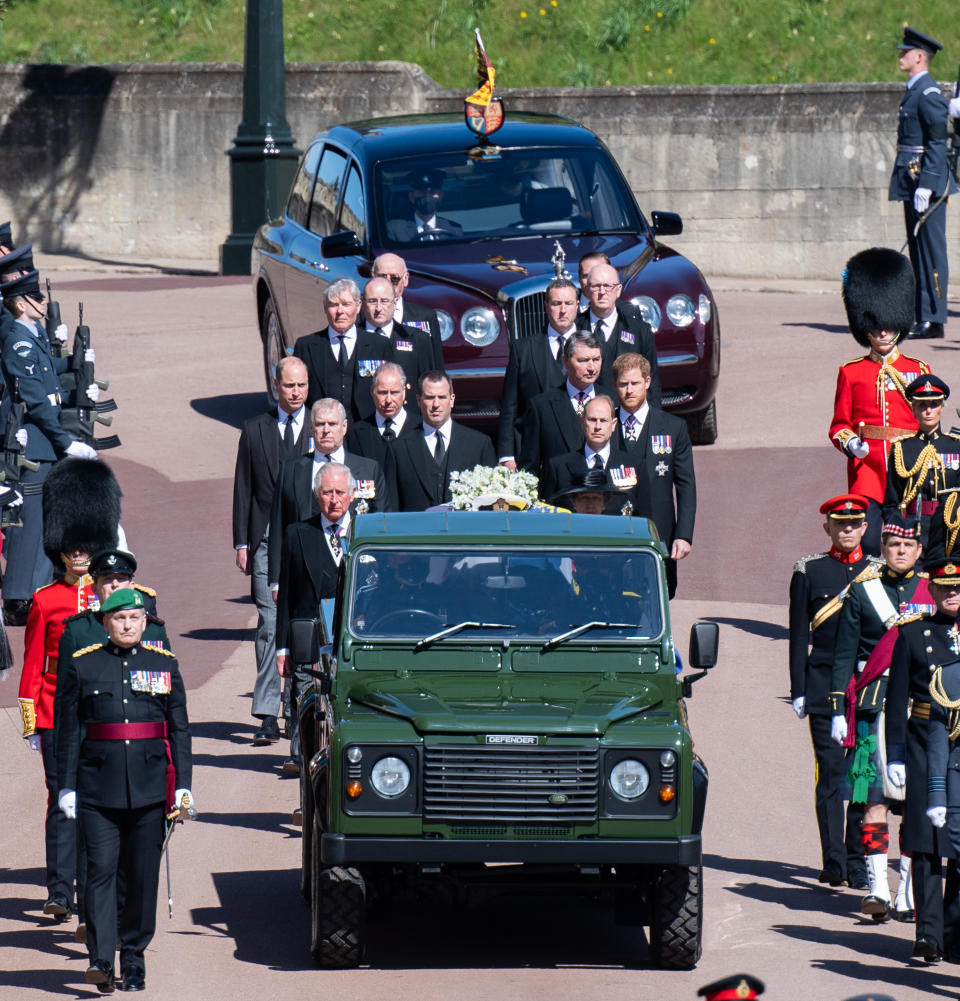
702	425
338	918
676	923
273	347
306	834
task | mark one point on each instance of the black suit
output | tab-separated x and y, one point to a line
531	369
294	500
308	574
352	386
422	318
568	470
413	352
405	230
551	427
631	335
673	488
364	438
418	481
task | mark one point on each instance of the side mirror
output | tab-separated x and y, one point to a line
304	641
704	644
667	224
343	244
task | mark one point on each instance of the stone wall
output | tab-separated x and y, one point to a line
126	163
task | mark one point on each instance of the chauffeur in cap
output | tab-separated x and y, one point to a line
819	585
922	646
122	712
921	179
871	408
926	464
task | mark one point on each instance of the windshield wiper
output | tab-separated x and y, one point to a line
553	643
459	627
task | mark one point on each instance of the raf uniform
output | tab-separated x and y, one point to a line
817	591
923	465
123	716
921	165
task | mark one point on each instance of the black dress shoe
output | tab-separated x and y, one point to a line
831	874
927	949
57	907
291	766
133	980
101	974
858	881
926	331
15	611
908	916
269	732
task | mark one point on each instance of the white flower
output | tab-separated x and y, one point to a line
488	483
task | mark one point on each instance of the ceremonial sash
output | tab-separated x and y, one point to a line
836	603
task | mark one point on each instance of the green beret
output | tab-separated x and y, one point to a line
123	597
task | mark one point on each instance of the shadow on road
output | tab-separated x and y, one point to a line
254	762
830	328
279	822
232	410
931	980
236	733
231	635
768	630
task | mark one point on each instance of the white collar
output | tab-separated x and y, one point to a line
446	428
915	78
385	331
398	421
348	335
337	455
574	393
609	322
639	415
589	453
296	419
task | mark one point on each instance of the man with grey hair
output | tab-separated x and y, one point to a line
394	269
374	436
341	359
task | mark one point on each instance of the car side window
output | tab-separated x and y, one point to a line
299	200
323	207
353	214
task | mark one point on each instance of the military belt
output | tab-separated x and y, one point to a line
878	433
920	710
910	149
126	731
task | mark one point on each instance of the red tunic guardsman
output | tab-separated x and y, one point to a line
870	407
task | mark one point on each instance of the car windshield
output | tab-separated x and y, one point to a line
416	593
451	196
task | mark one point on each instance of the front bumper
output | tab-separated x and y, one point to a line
338	849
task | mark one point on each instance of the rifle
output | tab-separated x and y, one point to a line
53	321
953	153
13	460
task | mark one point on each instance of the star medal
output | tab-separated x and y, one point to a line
954	633
662	468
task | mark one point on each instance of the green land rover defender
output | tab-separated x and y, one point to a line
498	707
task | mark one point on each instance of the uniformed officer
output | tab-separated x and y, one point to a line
819	585
872	606
871	408
122	711
739	987
28	370
924	465
922	646
921	179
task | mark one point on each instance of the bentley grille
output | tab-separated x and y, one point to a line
528	315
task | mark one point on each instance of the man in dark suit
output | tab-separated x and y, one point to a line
265	442
312	551
620	325
394	269
426	194
413	349
341	359
661	445
564	472
293	498
374	436
419	465
551	424
535	365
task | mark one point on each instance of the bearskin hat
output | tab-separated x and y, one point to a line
81	508
879	293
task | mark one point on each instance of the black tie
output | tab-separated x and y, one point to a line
379	330
439	452
288	442
342	357
388	433
598	331
559	355
597	461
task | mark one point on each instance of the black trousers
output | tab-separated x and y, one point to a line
840	838
126	841
61	834
872	540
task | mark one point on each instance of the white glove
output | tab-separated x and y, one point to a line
34	741
921	199
838	729
897	773
800	706
21	437
937	815
93	392
178	800
90	355
954	108
61	333
78	450
857	447
68	803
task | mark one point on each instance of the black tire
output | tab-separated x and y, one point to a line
676	924
702	425
306	835
273	346
338	913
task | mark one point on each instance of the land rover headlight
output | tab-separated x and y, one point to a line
479	326
629	779
649	310
680	310
446	325
390	777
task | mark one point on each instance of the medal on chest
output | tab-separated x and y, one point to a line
150	682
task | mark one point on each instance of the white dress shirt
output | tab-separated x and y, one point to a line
296	420
396	422
349	341
608	324
430	436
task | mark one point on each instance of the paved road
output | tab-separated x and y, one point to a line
185	368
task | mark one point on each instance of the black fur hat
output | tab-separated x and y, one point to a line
81	508
879	293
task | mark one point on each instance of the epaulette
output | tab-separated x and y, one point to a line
950	434
853	361
871	572
87	649
801	565
160	649
875	560
903	437
915	617
145	589
45	586
923	574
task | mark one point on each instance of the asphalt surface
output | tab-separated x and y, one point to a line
183	359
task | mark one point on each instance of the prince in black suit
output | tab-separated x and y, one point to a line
660	444
342	359
623	328
419	465
373	437
265	442
410	314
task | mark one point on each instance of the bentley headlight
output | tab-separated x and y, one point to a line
629	779
704	309
479	326
390	776
446	325
680	310
649	310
